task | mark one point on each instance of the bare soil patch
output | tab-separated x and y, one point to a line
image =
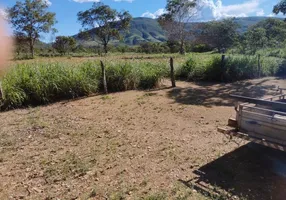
159	144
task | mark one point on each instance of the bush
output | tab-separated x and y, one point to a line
214	71
281	71
200	48
187	70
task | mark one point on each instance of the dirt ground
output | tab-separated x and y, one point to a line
159	144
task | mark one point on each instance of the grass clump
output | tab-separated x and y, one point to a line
151	75
121	77
127	76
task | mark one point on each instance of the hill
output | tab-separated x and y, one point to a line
148	30
246	22
141	30
144	30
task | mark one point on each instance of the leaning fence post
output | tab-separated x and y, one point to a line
103	77
172	72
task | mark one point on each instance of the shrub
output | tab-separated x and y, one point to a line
200	48
187	69
281	71
214	71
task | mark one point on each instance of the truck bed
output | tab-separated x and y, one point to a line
263	122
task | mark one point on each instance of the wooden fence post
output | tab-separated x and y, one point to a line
259	66
223	67
172	72
103	77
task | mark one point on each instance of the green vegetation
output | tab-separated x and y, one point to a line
259	50
144	36
40	83
64	44
236	67
280	7
144	30
43	83
179	13
108	22
219	34
31	18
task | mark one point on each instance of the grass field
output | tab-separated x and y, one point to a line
46	80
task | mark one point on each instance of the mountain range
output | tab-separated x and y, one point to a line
148	30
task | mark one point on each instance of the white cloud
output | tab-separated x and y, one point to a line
212	9
48	2
86	1
130	1
155	14
260	13
215	9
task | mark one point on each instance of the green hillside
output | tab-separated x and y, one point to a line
148	30
141	30
144	30
246	22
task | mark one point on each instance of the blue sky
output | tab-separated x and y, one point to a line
66	10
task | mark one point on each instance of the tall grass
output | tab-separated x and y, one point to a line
43	83
235	67
33	84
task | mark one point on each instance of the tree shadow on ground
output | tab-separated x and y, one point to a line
250	172
214	94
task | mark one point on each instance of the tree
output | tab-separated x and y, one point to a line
256	39
178	14
21	43
106	23
64	44
280	7
219	34
275	30
31	18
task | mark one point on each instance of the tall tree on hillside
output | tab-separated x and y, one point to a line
31	18
280	7
178	14
106	22
64	44
218	34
